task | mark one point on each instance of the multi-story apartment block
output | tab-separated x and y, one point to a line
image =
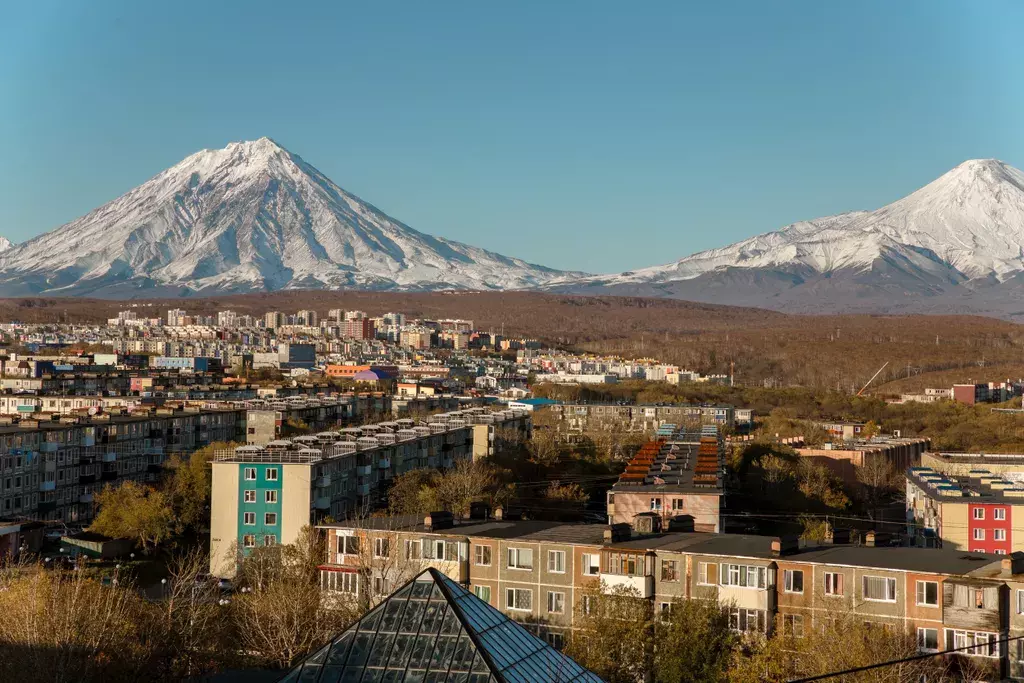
678	477
978	511
50	469
648	418
264	494
541	574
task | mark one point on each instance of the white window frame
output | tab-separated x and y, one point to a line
591	564
381	547
557	559
702	575
482	552
413	551
979	535
793	622
922	631
478	590
975	640
439	550
515	556
921	589
249	541
250	474
249	496
999	534
738	576
343	544
979	513
556	599
830	584
512	601
267	517
999	514
789	580
1020	602
269	540
271	474
249	518
270	497
889	581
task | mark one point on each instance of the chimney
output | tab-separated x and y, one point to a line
617	533
1014	563
776	547
499	512
869	539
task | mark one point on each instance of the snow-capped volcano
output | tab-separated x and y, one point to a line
963	231
251	216
5	244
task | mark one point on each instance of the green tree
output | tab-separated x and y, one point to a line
614	637
693	643
135	511
189	486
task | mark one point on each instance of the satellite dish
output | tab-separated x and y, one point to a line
93	410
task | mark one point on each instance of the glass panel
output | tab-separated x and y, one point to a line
320	656
370	621
392	614
340	648
292	676
331	674
381	650
450	625
309	673
413	615
432	616
421	588
421	651
360	649
401	650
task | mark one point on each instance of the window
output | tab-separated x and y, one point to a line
744	620
793	625
625	564
271	474
656	504
250	474
979	513
746	576
707	573
999	513
555	640
412	550
250	497
270	497
439	548
977	644
588	604
979	534
928	593
1020	650
879	589
520	558
249	518
482	592
348	545
665	611
1020	602
979	599
556	561
928	639
483	555
381	547
999	534
249	541
677	504
556	602
669	570
270	518
269	540
793	580
591	564
833	584
520	599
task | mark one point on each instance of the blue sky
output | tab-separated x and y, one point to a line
588	135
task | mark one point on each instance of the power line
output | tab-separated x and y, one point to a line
868	667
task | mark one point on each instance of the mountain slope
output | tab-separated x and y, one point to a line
960	236
249	217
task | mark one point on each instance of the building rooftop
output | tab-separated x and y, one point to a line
927	560
978	486
677	461
452	635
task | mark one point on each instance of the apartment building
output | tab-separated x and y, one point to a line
844	459
264	494
648	418
50	469
678	477
542	573
978	511
269	420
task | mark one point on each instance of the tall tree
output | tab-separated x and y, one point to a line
693	643
614	634
135	511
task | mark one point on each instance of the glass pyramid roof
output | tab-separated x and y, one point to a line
432	630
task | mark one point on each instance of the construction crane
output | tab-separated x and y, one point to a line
872	378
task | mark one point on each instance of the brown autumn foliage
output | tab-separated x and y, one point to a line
837	352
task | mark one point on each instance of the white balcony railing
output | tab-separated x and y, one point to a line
643	585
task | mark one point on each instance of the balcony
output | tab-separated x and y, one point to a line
85	498
47	486
49	447
363	489
363	470
384	463
447	463
322	503
643	585
110	457
323	481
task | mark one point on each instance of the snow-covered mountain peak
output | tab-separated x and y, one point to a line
250	216
5	244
